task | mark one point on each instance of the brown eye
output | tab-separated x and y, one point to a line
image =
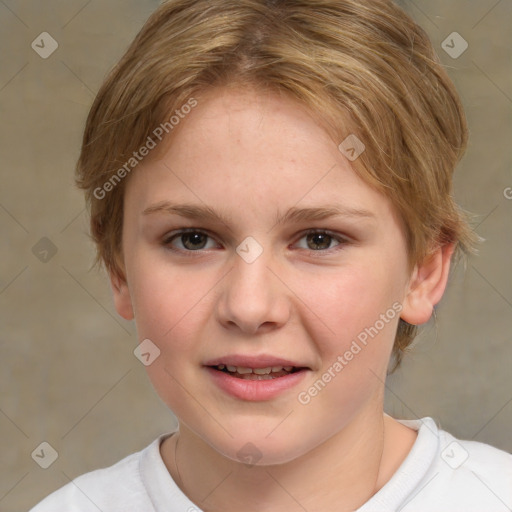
321	241
190	240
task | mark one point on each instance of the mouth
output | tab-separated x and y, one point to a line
267	373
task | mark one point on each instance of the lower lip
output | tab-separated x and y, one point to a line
255	390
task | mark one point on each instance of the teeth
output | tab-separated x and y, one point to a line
262	371
242	370
258	371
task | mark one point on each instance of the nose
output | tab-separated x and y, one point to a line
253	296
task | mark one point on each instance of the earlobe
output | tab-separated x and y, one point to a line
427	285
122	298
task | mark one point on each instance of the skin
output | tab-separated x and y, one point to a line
253	155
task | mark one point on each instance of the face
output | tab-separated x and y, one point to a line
304	288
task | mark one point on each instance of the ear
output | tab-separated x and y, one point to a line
122	299
427	285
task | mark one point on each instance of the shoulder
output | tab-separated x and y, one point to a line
482	470
115	488
466	476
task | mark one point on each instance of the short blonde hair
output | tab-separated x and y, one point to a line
361	67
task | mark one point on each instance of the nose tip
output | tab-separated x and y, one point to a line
252	298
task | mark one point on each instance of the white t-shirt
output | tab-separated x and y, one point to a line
440	474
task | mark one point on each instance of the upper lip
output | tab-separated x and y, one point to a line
246	361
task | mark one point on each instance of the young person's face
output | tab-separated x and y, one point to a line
251	158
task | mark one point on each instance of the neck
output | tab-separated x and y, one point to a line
341	474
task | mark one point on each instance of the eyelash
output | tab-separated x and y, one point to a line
342	241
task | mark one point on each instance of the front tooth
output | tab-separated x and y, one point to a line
231	368
262	371
277	368
242	369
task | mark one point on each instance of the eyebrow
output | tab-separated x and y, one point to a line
294	214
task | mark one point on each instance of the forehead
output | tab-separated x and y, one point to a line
257	151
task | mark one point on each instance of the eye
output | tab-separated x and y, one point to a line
318	240
191	240
195	240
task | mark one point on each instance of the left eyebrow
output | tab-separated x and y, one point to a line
294	214
321	213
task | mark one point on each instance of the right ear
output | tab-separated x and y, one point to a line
122	298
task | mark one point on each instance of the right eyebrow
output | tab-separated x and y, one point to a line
190	211
294	214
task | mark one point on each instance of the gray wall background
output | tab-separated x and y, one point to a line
68	375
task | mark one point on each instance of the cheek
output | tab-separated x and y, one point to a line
167	302
352	305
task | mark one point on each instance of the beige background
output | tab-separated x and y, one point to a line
68	375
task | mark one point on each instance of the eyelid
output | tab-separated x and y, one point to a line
342	239
177	232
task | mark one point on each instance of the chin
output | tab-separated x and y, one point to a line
259	450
